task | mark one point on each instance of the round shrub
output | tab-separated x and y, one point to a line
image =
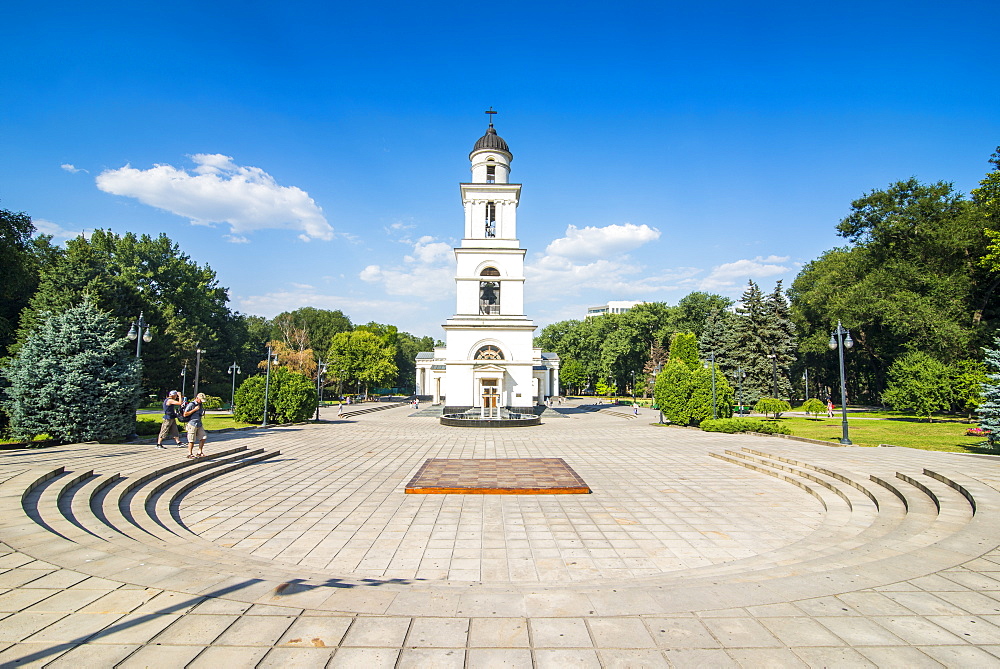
291	398
771	405
813	406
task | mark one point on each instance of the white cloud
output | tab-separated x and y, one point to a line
592	242
737	273
593	260
58	232
72	169
236	239
220	191
428	272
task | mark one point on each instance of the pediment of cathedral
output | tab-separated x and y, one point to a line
488	367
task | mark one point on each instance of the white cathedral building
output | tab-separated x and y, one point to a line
489	360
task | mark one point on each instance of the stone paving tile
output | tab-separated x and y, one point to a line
438	633
560	658
74	629
377	632
195	629
559	633
296	658
20	626
134	629
917	630
255	631
18	600
93	655
740	632
800	632
961	656
782	658
227	656
498	658
316	631
899	656
699	658
833	658
681	633
365	658
630	659
498	633
32	654
436	658
620	633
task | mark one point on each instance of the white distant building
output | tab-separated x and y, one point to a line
616	307
489	359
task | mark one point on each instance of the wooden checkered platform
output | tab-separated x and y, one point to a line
509	476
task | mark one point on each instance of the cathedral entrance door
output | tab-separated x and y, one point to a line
491	398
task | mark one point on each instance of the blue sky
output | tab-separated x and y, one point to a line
310	152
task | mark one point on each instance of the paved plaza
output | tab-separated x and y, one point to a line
297	547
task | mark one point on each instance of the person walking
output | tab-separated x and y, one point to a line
171	409
194	411
829	407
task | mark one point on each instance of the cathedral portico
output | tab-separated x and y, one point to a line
489	360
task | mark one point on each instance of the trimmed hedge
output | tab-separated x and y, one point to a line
734	425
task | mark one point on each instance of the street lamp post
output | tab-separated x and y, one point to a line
774	370
841	339
267	382
134	332
715	412
134	335
656	373
805	382
234	369
197	367
184	379
320	370
739	375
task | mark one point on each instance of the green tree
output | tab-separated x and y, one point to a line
673	391
127	275
919	383
913	277
291	398
571	374
407	347
23	257
970	377
989	407
684	347
715	339
361	359
771	405
751	344
700	399
694	308
813	406
319	325
74	379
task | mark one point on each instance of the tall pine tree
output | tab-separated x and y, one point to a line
74	379
989	408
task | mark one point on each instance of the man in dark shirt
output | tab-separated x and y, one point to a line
194	411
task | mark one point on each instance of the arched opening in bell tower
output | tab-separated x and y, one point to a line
489	293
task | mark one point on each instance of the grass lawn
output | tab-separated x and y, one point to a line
211	421
947	434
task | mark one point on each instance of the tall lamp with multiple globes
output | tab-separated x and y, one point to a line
841	339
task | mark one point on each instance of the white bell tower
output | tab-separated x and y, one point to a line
489	361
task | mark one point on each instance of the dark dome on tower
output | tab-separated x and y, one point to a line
491	140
